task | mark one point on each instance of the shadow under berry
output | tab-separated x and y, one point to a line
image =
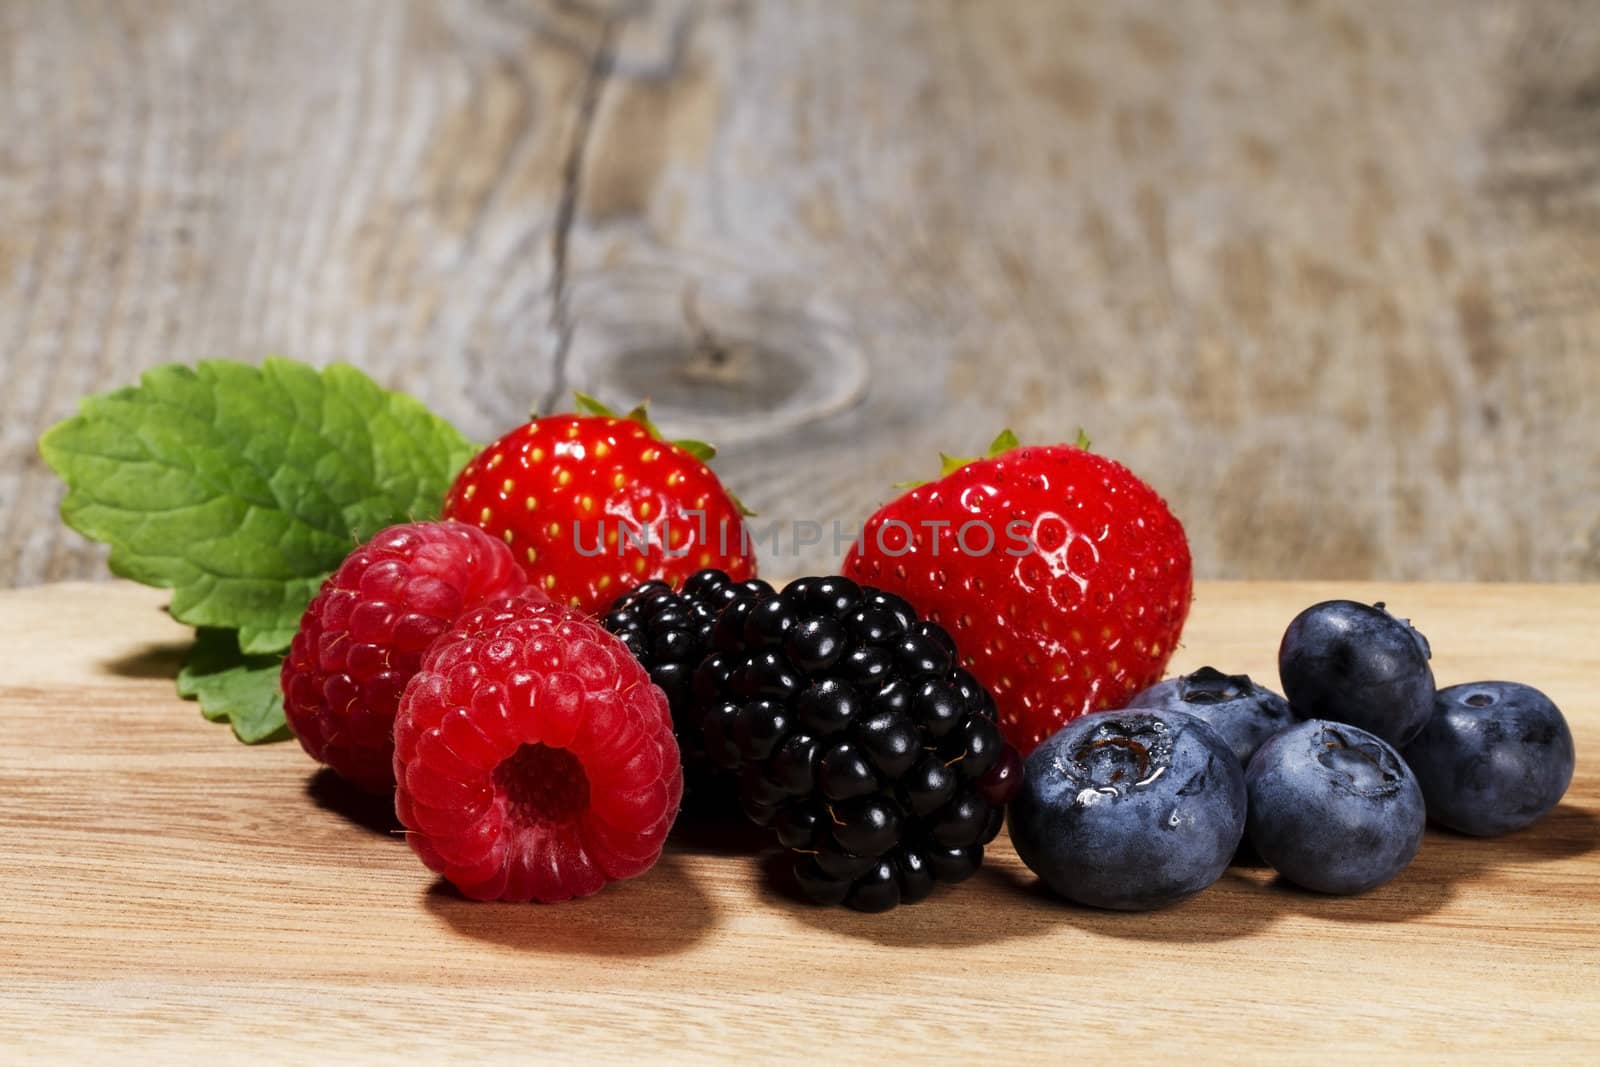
660	913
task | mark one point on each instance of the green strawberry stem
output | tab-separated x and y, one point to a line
700	450
1004	442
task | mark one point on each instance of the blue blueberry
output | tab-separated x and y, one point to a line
1245	714
1494	758
1350	663
1130	809
1333	807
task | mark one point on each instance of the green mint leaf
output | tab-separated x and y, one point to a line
234	688
240	488
261	641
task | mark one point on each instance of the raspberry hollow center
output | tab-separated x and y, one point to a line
543	784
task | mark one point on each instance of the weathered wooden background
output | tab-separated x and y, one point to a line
1327	273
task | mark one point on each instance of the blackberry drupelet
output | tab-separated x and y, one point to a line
873	757
670	633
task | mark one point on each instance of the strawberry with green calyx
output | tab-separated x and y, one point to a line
1064	579
594	503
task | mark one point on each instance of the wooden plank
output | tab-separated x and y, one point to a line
1324	272
367	181
174	895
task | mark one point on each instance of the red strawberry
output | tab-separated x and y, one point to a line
593	504
1077	604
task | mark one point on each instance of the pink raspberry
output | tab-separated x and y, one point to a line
362	637
534	757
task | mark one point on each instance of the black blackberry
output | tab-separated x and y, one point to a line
873	757
670	633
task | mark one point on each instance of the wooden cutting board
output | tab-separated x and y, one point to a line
171	893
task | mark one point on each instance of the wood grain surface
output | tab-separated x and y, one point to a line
1325	272
175	896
